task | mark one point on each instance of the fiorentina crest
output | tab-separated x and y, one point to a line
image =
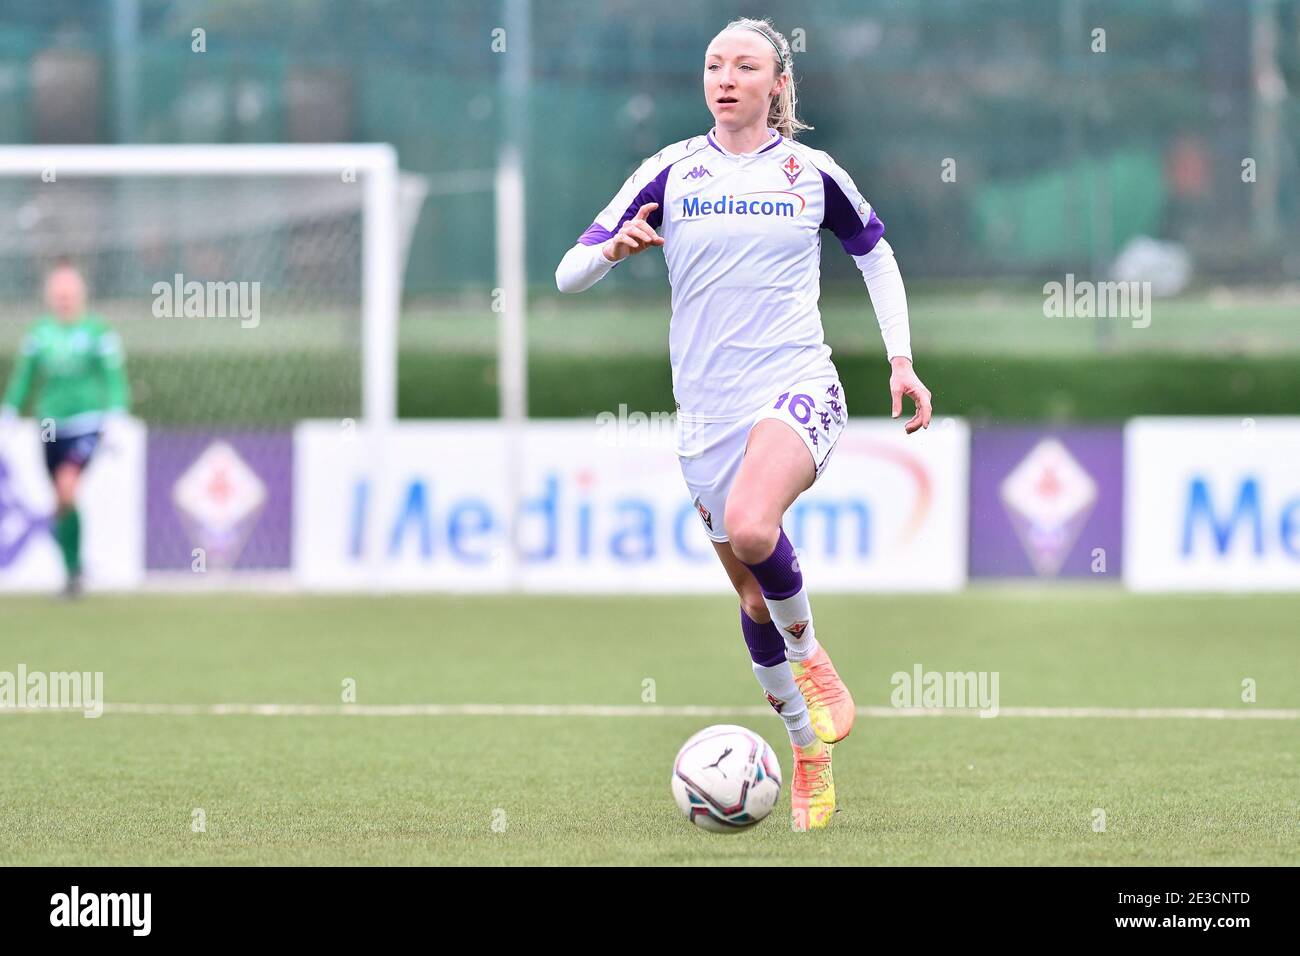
796	629
776	702
1048	498
791	168
704	513
219	498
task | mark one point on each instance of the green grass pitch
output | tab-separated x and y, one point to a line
393	790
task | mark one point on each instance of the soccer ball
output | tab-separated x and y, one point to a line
726	778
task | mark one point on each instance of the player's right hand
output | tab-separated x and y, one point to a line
637	235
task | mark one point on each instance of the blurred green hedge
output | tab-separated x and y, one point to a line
1004	390
197	389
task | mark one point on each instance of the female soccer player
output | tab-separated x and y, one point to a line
760	405
75	361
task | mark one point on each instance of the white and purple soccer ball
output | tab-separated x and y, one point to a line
726	778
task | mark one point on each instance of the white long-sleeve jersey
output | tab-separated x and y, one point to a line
742	241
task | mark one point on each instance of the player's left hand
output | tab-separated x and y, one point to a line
903	381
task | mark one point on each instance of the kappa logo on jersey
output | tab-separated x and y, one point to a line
704	513
791	168
776	702
796	629
697	173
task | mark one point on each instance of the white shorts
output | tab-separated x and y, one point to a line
710	452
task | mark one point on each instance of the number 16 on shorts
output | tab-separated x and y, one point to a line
816	410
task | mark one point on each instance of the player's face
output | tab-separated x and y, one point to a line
740	79
65	294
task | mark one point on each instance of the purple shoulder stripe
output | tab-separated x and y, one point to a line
653	191
595	235
842	219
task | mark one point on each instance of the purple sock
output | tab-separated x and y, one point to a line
766	646
778	574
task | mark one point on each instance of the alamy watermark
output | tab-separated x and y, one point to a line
53	690
77	908
636	429
932	690
1098	300
179	299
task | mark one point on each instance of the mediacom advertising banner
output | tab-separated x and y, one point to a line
219	500
1212	504
602	507
1047	503
110	501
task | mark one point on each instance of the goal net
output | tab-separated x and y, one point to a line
238	277
252	287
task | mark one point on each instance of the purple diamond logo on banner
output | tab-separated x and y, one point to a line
18	523
1048	497
219	498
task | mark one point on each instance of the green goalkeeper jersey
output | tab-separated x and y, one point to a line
75	369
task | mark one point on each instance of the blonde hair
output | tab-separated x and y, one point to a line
781	113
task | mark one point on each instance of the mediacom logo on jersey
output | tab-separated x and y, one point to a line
694	206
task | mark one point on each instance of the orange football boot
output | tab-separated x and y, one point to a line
812	791
830	705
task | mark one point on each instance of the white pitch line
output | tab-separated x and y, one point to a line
647	710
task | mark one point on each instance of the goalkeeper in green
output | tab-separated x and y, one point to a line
71	363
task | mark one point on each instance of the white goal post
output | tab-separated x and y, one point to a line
372	166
